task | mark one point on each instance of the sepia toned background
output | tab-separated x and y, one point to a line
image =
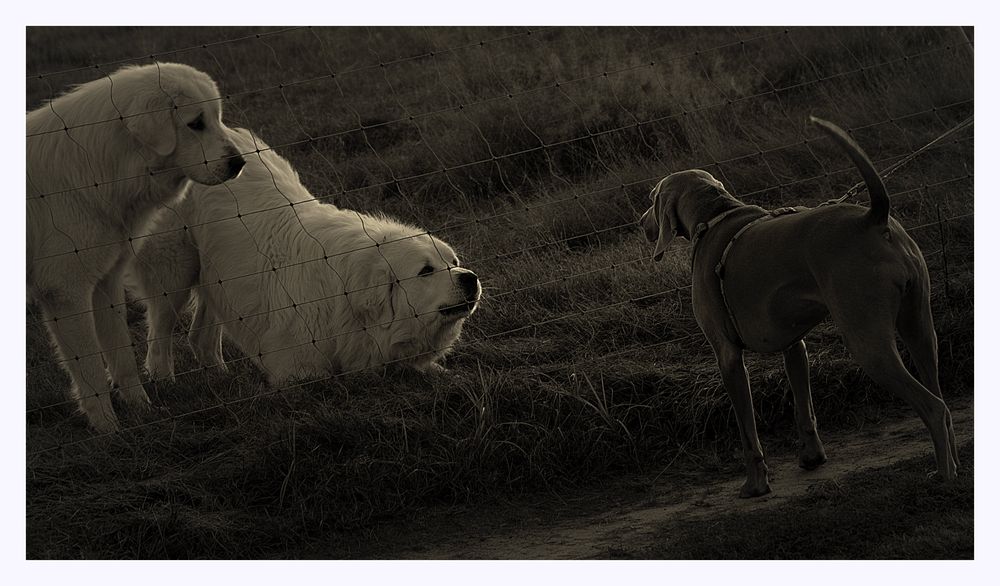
582	386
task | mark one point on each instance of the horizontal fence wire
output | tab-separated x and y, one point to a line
230	96
380	285
158	56
492	298
496	256
381	65
782	92
455	225
460	107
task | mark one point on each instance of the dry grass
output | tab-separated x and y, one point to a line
584	360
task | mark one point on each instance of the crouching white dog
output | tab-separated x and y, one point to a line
301	287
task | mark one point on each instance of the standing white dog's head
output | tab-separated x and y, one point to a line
174	111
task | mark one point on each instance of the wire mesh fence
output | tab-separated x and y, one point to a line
532	153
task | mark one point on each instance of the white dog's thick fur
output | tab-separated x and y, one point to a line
305	290
100	160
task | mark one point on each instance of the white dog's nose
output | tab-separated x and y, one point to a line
469	283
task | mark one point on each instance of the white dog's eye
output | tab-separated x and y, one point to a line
197	124
428	269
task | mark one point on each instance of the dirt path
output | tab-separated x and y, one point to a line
592	534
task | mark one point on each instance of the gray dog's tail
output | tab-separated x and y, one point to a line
879	213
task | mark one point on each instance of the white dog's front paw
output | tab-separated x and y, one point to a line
100	415
210	358
160	372
159	362
104	425
134	394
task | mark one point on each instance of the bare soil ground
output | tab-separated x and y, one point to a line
595	525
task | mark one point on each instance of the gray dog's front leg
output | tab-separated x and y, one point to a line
734	376
811	452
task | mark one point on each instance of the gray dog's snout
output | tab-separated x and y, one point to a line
469	283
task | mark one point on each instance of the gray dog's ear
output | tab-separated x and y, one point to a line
666	219
151	122
667	233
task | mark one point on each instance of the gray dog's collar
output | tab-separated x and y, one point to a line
702	227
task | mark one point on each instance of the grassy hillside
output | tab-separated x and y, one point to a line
532	152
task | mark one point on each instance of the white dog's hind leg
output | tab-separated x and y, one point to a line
162	276
161	317
205	336
116	341
77	345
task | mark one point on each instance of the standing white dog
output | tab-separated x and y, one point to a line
100	160
303	288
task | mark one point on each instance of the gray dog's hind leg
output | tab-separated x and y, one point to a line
874	347
916	328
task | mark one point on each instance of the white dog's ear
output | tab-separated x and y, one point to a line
152	124
389	287
375	291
